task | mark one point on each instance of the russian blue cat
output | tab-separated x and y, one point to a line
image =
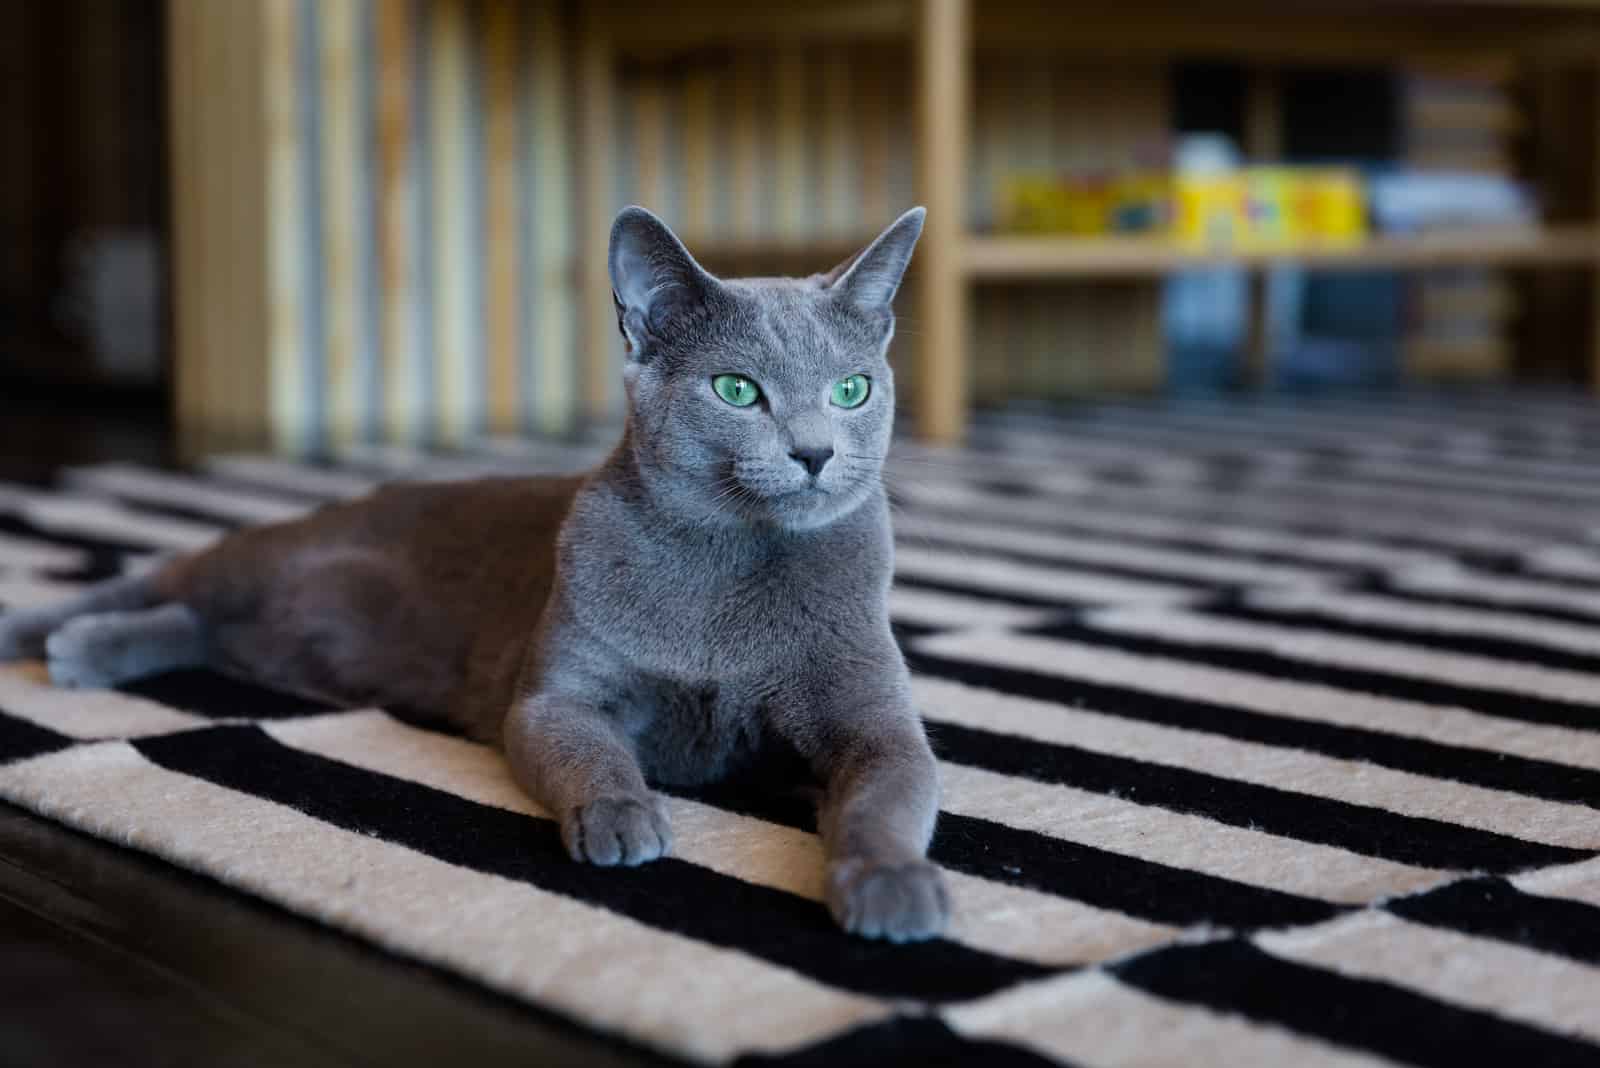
711	598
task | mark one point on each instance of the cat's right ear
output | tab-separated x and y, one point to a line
654	280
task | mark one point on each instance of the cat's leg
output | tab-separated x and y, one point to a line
576	761
880	800
106	649
23	633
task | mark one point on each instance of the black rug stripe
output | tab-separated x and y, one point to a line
1066	529
1387	588
1117	882
21	739
1492	908
1236	977
920	1040
1505	704
984	593
669	894
217	696
1472	644
1373	832
1480	767
105	555
1065	563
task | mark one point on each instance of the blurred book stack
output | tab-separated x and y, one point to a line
1460	127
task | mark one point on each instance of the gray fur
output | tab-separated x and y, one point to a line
700	603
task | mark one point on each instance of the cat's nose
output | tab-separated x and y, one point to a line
812	459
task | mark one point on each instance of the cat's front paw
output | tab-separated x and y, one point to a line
617	830
904	902
85	653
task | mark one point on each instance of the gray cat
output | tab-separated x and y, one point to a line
715	593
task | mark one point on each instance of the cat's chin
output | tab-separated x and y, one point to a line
798	510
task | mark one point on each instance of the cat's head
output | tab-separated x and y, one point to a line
759	400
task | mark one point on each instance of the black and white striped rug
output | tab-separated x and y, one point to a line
1270	735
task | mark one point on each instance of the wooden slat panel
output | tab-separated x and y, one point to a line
286	207
448	136
346	331
396	192
550	276
502	101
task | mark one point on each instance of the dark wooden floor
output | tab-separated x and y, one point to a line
110	957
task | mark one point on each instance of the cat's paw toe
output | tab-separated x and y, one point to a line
80	654
617	830
900	902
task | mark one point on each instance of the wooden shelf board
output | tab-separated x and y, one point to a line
993	258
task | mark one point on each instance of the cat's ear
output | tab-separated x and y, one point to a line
870	278
653	278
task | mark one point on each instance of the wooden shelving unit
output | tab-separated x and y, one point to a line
946	39
996	258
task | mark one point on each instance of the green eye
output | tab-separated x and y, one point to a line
851	392
737	390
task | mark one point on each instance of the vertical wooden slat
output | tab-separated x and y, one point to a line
698	149
840	179
944	55
451	213
502	100
595	101
745	145
549	268
649	146
286	206
872	126
345	338
789	120
397	192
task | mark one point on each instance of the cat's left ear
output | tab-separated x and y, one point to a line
871	277
654	280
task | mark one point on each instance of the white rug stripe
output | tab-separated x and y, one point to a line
1484	974
1566	561
1083	551
26	554
289	477
26	693
19	591
1340	650
1179	840
1093	1020
991	916
1374	608
1328	550
183	491
978	572
93	517
1353	781
1497	588
588	962
935	609
1263	693
1575	882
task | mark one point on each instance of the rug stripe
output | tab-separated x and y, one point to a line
669	895
98	518
1569	714
1361	829
1351	728
1489	975
1357	781
1493	908
1094	1018
1234	976
166	489
1356	653
989	573
20	738
925	1040
594	964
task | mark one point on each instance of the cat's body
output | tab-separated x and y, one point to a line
714	594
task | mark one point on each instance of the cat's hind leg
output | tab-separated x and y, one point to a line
23	634
106	649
